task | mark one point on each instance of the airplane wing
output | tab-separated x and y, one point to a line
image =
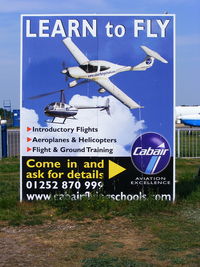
75	51
116	92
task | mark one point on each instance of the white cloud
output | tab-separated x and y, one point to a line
121	126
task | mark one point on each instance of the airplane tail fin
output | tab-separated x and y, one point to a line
107	107
151	55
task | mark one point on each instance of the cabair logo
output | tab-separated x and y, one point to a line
150	153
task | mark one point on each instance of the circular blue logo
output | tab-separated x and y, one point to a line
150	153
148	61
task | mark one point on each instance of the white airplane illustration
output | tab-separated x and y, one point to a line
188	115
100	71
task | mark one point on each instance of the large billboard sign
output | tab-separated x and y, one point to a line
97	106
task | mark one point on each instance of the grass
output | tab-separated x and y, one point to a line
188	187
175	236
11	210
110	261
174	228
92	246
187	193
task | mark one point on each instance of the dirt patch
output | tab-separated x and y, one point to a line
67	243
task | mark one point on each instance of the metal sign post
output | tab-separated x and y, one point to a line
0	143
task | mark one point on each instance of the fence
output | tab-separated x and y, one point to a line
13	137
188	143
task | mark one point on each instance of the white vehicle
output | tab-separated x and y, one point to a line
100	71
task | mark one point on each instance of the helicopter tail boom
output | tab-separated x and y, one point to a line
105	107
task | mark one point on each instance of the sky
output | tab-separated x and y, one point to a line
187	37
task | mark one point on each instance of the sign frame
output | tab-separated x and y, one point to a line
97	16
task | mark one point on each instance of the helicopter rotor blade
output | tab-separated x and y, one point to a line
46	94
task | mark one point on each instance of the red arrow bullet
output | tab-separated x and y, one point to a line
28	139
28	149
28	129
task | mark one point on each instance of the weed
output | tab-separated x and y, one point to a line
178	260
34	221
75	245
16	219
109	261
117	244
92	246
142	249
94	235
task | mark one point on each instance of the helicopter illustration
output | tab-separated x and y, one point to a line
100	71
63	110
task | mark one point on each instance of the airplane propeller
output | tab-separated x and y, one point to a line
65	71
63	65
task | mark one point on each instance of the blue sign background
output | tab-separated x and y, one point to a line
153	88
